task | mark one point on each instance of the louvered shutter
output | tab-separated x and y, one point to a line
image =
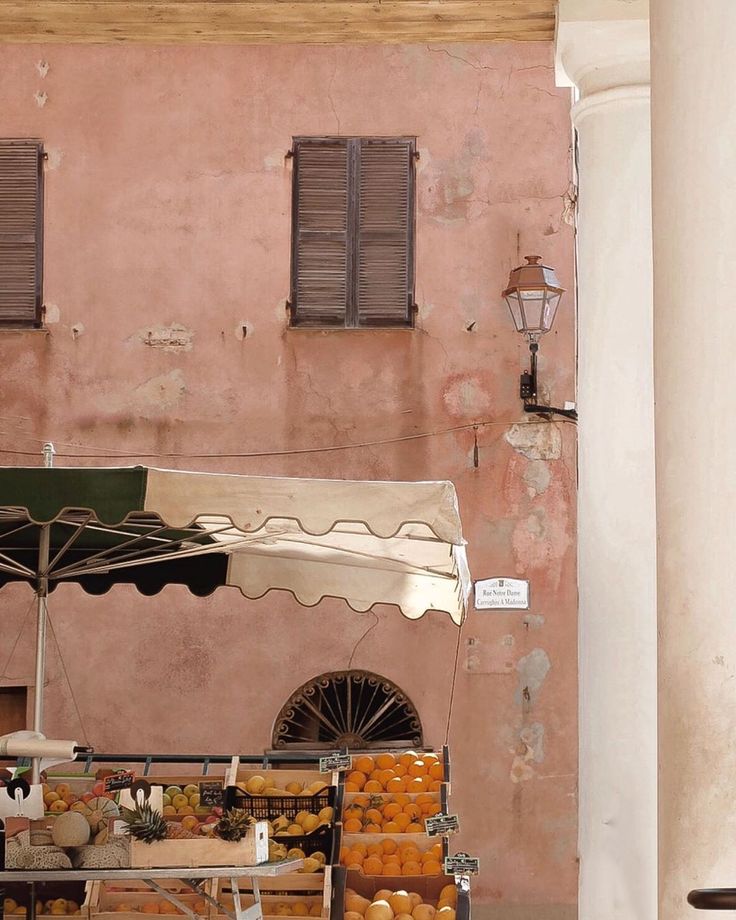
384	239
20	232
320	288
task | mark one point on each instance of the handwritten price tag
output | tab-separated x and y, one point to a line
439	825
335	762
122	780
462	864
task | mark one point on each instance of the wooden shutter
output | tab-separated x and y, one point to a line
20	232
320	288
384	236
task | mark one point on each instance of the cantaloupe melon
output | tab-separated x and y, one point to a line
400	902
379	910
352	915
354	903
445	913
449	893
423	912
383	895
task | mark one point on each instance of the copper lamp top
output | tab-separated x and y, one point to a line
533	276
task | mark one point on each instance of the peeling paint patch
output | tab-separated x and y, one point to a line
536	441
532	670
54	156
164	391
77	330
537	477
169	338
275	159
467	397
529	750
41	99
533	620
43	68
489	657
52	314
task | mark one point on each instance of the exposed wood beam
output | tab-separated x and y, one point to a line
270	21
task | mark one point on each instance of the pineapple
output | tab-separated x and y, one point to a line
234	824
144	823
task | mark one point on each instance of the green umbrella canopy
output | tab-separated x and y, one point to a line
365	542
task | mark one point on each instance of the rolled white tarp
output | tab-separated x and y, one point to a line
33	744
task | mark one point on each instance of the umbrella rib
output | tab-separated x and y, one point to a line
111	565
16	568
9	533
79	530
163	545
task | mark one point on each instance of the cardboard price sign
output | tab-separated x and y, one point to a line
461	864
335	762
122	780
441	824
211	795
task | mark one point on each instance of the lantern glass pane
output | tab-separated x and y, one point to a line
550	310
515	309
532	309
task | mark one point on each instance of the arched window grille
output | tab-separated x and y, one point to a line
354	709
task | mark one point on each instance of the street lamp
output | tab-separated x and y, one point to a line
533	295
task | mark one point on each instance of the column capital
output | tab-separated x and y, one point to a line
603	46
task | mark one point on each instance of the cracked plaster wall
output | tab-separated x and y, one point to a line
166	271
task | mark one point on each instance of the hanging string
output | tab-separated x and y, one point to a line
3	674
85	737
454	679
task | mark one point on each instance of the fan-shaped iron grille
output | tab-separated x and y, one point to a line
353	709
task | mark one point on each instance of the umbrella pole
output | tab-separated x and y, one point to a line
41	619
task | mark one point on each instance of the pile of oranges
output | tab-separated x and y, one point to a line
391	857
408	772
395	814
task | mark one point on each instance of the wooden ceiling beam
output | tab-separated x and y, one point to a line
275	21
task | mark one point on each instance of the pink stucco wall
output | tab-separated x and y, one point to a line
167	234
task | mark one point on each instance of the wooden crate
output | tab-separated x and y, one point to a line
290	888
252	850
104	903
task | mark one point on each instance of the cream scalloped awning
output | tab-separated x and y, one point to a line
397	543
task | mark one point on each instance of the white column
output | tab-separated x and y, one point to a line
694	211
603	49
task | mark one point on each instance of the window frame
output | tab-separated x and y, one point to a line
351	319
37	321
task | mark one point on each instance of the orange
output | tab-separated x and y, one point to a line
400	769
417	768
428	857
344	851
364	763
385	776
401	798
374	774
436	848
389	847
432	867
358	778
422	799
391	827
415	785
428	757
354	861
373	786
408	757
434	809
373	866
351	787
396	784
373	829
407	845
414	828
362	800
435	785
410	854
403	820
411	868
385	761
391	809
353	811
360	848
374	816
375	849
437	771
353	826
413	810
392	864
